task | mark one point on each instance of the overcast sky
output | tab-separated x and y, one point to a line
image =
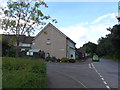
82	21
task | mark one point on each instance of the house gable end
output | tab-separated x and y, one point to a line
47	26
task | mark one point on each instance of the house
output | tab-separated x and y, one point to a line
54	43
80	53
25	41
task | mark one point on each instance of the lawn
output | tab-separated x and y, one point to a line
23	73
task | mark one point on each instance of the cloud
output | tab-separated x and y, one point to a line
110	15
3	3
84	32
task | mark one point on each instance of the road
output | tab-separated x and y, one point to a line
88	74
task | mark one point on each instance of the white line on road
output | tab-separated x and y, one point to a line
89	65
104	82
107	87
99	73
92	65
101	76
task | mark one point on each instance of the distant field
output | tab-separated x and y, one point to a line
23	73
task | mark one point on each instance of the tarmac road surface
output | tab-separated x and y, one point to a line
88	74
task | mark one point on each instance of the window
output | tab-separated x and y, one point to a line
48	42
26	45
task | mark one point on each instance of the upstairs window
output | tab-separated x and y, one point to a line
48	42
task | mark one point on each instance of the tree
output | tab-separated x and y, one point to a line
110	46
22	17
105	47
8	47
115	38
90	48
5	46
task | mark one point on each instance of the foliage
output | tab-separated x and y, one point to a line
90	48
115	39
42	54
11	52
64	59
23	73
52	59
72	60
105	47
23	18
110	46
48	58
7	47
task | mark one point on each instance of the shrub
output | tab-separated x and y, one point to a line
58	60
64	59
48	58
72	60
52	59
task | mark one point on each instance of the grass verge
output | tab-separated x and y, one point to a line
111	58
23	73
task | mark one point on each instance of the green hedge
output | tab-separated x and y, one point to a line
23	73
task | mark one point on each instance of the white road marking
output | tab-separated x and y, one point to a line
104	82
96	70
101	77
92	65
89	66
107	87
99	73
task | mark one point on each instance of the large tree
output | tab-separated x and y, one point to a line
22	18
115	38
90	48
110	45
105	47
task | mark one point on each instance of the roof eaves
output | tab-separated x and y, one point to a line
70	40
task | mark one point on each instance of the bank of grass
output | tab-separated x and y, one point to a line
112	58
23	73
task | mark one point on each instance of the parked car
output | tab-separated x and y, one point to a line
95	58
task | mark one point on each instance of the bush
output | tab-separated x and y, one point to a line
72	60
11	52
48	58
23	73
52	59
64	59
